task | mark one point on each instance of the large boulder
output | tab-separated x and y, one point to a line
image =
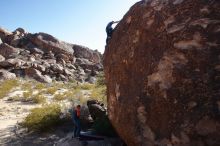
96	109
37	75
6	75
48	43
14	62
163	75
8	51
86	53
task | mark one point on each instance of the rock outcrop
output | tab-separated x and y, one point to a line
50	43
163	75
44	57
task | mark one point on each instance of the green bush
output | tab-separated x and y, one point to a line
99	93
59	97
27	85
38	98
27	95
100	79
43	118
6	86
104	127
40	86
86	86
52	90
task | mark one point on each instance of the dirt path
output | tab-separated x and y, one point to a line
10	114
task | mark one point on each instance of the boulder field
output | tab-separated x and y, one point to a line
45	58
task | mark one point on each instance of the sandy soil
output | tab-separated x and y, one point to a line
10	114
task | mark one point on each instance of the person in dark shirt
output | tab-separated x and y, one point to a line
76	121
109	30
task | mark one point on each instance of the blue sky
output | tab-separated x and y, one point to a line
80	22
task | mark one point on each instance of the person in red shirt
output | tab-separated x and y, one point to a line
76	121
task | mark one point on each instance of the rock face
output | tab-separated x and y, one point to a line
163	75
44	57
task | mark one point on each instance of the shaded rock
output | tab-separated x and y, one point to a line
96	109
36	74
13	40
33	49
160	72
95	140
19	72
6	75
86	53
8	51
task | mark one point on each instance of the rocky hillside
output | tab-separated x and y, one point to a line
45	58
162	67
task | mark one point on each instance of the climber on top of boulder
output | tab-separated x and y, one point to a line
109	30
